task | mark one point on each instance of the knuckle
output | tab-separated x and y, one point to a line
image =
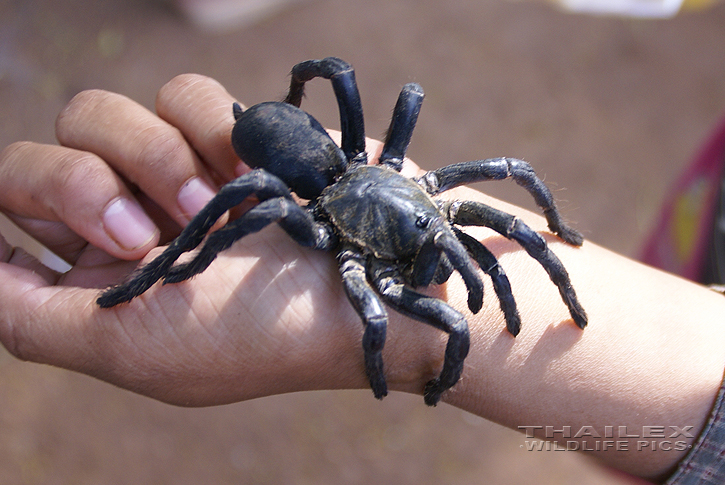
184	89
162	158
7	333
15	340
180	84
159	146
72	176
80	104
13	151
11	343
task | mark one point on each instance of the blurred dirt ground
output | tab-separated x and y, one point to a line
608	110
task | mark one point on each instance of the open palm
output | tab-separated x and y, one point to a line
248	326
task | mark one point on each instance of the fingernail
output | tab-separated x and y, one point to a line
193	196
128	225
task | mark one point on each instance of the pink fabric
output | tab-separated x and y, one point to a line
680	241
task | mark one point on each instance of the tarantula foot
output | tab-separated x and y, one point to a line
182	272
577	313
376	377
570	235
113	296
432	392
380	389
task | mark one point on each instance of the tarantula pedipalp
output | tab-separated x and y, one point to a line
389	233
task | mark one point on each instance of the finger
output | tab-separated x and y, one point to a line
201	109
64	197
20	258
143	148
47	324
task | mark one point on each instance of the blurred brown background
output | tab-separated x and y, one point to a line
608	110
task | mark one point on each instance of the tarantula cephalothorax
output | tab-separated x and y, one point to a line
389	234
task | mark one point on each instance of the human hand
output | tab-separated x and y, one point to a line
268	317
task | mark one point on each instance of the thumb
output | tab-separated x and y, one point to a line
134	347
43	323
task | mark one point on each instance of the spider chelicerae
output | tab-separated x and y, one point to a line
389	232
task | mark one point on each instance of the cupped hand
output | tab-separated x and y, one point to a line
267	317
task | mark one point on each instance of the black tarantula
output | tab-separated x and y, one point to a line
389	233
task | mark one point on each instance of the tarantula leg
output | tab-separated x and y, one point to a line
446	178
458	257
438	257
443	272
426	265
431	267
258	182
389	283
471	213
296	221
375	319
501	285
342	76
405	115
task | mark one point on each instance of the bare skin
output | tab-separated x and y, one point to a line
269	317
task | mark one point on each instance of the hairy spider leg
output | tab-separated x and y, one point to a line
501	285
443	272
471	213
297	222
402	124
442	179
257	182
342	76
372	312
433	311
442	253
427	265
458	257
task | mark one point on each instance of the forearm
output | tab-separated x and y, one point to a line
653	354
